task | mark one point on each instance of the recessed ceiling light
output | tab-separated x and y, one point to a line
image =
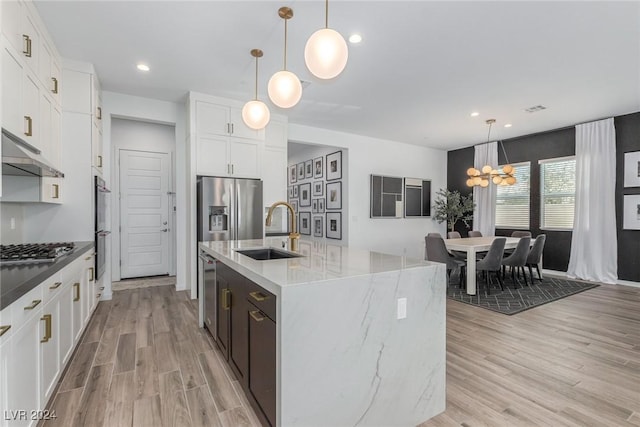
143	67
508	125
475	114
355	38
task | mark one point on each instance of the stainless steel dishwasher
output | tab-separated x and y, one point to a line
209	287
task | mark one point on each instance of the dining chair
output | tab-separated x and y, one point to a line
517	259
454	235
492	262
474	233
434	235
435	250
535	255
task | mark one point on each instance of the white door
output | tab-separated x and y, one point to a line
144	214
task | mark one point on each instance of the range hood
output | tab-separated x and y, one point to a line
23	159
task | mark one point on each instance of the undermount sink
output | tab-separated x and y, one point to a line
263	254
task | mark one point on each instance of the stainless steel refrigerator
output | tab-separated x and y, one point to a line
229	209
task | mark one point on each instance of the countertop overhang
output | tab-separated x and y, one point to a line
17	280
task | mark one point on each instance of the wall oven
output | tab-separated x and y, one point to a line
101	233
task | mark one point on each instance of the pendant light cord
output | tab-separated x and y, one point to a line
326	14
256	78
285	45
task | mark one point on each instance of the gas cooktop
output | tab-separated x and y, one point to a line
33	253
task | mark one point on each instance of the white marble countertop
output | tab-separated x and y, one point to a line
320	261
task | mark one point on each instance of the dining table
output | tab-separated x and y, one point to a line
473	245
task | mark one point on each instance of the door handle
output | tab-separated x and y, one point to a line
92	275
4	329
55	285
56	192
55	85
47	327
27	45
76	287
29	122
33	304
256	316
164	230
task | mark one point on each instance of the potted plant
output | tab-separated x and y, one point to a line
451	206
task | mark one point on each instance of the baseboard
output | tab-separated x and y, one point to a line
563	274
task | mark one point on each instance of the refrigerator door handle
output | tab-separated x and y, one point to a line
233	207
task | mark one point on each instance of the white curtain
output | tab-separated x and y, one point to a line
484	214
594	247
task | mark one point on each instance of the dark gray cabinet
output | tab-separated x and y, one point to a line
246	335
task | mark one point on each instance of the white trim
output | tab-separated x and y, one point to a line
556	159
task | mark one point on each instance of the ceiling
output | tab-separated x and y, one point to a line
421	69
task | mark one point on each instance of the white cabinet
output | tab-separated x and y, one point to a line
76	309
50	362
5	347
96	148
12	12
66	322
88	288
31	41
220	156
30	110
223	120
23	368
12	112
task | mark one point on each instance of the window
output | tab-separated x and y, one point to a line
558	193
512	202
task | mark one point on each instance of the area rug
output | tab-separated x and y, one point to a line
511	300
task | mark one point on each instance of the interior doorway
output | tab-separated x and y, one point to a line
144	214
144	200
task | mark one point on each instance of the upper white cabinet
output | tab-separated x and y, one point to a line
225	146
223	120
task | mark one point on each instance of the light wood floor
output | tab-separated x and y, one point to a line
574	362
143	361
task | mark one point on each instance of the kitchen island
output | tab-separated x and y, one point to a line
358	336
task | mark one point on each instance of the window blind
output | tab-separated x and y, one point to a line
512	202
558	193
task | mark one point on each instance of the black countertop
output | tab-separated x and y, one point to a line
17	280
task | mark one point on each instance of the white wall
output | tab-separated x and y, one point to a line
127	134
116	105
382	157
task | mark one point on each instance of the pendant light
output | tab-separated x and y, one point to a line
326	51
255	113
488	173
284	86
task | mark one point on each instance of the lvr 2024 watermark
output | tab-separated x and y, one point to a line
28	415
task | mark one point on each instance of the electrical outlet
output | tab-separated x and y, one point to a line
402	308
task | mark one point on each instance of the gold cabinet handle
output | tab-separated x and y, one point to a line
256	316
91	276
76	287
47	327
226	304
101	288
99	161
56	191
88	258
27	45
29	122
33	305
4	329
258	296
55	85
99	115
55	285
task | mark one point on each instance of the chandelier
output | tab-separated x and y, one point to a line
490	174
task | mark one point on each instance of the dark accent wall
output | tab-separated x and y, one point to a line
560	143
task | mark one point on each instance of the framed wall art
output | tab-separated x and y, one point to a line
318	167
314	206
291	187
334	166
417	198
318	226
631	213
320	205
305	223
386	197
305	194
318	188
293	174
308	169
334	195
300	171
295	191
294	205
632	169
334	225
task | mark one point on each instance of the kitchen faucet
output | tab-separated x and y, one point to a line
293	232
